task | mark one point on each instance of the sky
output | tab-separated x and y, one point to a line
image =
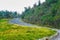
17	5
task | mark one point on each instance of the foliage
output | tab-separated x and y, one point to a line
8	14
47	13
17	32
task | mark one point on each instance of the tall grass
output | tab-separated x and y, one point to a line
17	32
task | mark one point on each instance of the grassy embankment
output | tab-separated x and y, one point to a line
16	32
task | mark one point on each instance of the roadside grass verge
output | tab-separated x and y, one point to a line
17	32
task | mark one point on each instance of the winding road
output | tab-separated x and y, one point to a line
20	22
58	37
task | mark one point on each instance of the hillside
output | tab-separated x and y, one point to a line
47	14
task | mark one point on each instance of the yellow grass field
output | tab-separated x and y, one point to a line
17	32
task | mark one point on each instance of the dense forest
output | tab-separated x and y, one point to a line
47	14
8	14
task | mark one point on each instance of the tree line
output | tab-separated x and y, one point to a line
8	14
47	14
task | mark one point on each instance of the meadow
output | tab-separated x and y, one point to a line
18	32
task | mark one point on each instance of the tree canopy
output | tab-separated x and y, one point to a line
8	14
47	13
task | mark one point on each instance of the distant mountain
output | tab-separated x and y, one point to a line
47	13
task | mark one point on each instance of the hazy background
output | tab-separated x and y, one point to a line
17	5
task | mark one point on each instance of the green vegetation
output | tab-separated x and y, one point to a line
16	32
8	14
47	14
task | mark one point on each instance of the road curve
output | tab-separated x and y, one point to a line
20	22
